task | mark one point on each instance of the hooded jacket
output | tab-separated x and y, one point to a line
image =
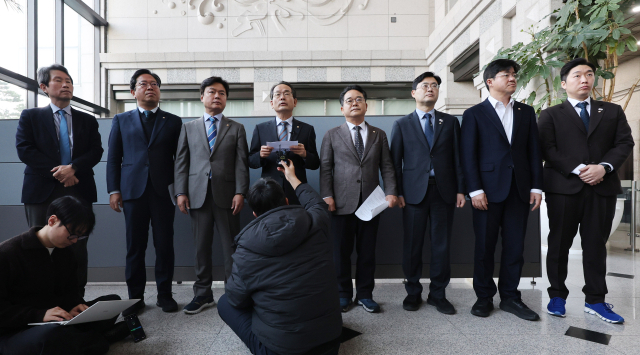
284	270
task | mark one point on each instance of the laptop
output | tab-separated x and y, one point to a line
101	310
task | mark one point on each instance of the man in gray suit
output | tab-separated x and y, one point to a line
211	181
351	157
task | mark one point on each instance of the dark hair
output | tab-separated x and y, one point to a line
266	194
212	80
497	66
44	74
566	69
134	77
293	91
76	215
349	88
423	76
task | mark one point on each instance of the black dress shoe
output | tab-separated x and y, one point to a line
118	332
441	304
482	307
412	302
168	304
137	307
517	307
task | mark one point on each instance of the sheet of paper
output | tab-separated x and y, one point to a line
282	145
373	205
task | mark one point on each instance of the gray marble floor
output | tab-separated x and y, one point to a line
395	331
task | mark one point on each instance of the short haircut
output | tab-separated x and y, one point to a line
349	88
134	77
212	80
44	74
76	215
293	91
423	76
566	69
265	195
497	66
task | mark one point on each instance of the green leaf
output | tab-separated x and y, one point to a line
616	34
531	98
557	83
620	50
624	31
632	43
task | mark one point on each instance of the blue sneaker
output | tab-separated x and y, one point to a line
369	305
604	311
556	307
198	304
345	304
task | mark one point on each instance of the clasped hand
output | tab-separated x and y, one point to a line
65	174
592	174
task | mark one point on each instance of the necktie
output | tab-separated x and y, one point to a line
359	142
65	147
428	129
584	114
212	131
147	113
282	136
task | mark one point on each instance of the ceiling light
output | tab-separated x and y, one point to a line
636	9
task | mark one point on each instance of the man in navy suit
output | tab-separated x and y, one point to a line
142	146
60	146
426	155
284	128
503	172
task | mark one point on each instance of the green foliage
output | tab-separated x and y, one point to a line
593	29
11	103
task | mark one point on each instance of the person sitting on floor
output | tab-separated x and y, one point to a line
38	283
282	296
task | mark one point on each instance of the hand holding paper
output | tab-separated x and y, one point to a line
373	205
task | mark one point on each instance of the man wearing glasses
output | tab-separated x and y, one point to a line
142	146
426	156
284	128
502	169
351	158
38	283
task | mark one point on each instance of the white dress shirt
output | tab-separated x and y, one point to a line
56	121
363	133
289	126
505	113
573	103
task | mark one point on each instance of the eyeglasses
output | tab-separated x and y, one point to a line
426	86
350	101
506	75
73	236
278	95
144	84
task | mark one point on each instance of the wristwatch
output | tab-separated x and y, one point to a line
607	168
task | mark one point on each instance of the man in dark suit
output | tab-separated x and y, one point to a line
284	128
426	156
60	146
584	142
351	158
503	172
212	180
142	145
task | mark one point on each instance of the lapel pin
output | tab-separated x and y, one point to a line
440	122
518	108
227	125
297	126
163	118
600	109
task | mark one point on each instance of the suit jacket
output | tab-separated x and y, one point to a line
267	132
132	160
39	148
227	163
489	161
412	157
344	177
566	144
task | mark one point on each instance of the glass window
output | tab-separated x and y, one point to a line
182	108
237	108
43	100
399	107
91	4
374	107
309	108
128	106
79	56
12	100
46	33
13	27
333	108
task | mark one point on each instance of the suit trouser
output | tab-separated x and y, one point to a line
37	216
346	228
55	339
593	214
510	217
203	221
160	211
415	216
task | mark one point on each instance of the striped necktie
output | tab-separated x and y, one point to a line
212	131
282	136
65	146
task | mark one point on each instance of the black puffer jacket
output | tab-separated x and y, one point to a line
283	269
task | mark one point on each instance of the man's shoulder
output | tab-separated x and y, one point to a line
522	106
36	111
11	246
82	115
377	129
405	119
445	116
265	124
297	122
169	115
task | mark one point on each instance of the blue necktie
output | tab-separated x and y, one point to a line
65	146
212	131
282	136
584	114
